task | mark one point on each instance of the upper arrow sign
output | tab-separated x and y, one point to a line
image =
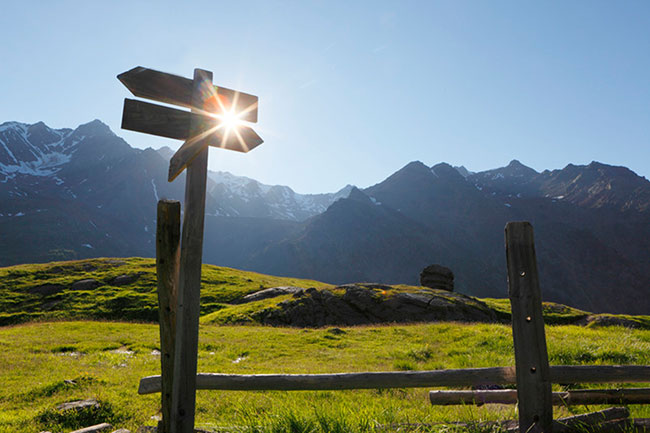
177	90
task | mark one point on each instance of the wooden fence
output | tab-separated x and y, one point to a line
531	374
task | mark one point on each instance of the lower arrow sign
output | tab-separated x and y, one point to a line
241	139
172	123
158	120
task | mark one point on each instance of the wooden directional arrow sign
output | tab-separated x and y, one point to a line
206	115
172	89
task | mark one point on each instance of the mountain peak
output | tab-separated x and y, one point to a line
445	170
357	195
166	152
95	127
414	166
516	166
40	134
13	125
39	125
463	171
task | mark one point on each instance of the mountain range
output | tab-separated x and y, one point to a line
68	194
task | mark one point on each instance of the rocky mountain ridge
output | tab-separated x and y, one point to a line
69	194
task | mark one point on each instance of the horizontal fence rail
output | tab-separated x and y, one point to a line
404	379
509	396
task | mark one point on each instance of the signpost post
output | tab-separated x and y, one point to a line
203	126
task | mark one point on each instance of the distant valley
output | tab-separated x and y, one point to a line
71	194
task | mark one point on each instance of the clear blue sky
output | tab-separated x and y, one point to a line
352	91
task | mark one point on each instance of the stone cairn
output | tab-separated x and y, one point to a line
437	277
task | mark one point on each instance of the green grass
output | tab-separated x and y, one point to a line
105	361
221	289
60	347
135	301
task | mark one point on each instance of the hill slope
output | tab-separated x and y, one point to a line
125	289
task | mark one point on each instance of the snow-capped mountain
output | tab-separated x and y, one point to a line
85	192
242	196
33	150
90	184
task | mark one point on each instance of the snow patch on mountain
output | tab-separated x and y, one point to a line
155	190
31	152
243	196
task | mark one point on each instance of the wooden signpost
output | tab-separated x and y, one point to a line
201	127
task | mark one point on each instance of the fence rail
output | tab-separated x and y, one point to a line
509	396
405	379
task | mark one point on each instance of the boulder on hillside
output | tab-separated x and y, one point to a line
597	320
86	284
78	405
46	289
272	293
122	280
437	277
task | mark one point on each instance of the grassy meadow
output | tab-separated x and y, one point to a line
60	342
45	364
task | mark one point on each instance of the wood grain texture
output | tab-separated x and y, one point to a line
189	289
565	398
605	421
167	122
168	230
155	119
410	379
103	427
177	90
602	421
244	140
531	357
159	86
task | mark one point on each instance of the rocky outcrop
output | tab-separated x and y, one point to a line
272	293
122	280
437	277
46	289
364	304
78	405
598	320
86	284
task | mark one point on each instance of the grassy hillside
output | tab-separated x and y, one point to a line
125	289
71	351
45	364
48	291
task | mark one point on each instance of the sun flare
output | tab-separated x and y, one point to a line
230	120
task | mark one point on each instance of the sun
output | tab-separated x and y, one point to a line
229	120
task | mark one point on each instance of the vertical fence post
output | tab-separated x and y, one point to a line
531	357
168	230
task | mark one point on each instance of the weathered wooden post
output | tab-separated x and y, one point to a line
531	357
211	122
187	325
168	236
